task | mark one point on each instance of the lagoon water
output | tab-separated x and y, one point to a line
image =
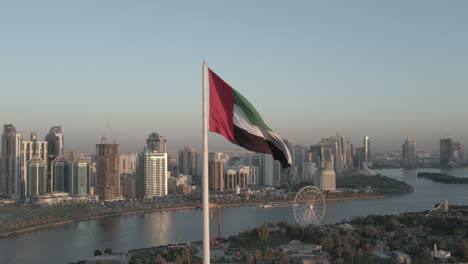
77	241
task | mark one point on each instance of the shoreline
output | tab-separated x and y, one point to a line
16	232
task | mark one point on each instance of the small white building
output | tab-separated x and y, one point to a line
440	254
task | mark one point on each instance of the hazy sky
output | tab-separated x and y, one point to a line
386	69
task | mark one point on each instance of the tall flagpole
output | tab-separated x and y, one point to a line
205	195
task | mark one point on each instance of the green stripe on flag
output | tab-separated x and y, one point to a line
249	110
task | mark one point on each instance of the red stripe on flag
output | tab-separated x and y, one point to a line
221	107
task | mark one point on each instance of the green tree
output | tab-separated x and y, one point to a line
160	259
263	232
108	251
97	252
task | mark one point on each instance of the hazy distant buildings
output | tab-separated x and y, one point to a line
216	175
325	179
107	171
445	151
10	162
264	163
188	161
236	178
451	153
408	150
367	152
338	150
156	142
153	174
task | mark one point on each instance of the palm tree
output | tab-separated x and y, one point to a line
257	255
249	258
187	255
284	256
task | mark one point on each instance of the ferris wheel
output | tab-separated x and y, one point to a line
309	206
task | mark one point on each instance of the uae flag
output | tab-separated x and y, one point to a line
234	117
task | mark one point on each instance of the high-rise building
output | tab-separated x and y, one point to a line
349	155
36	183
445	151
153	174
299	153
61	174
10	162
188	161
367	153
215	175
156	142
326	178
54	149
128	164
360	157
457	152
338	150
235	178
80	180
129	189
29	150
308	168
107	171
264	163
451	153
409	154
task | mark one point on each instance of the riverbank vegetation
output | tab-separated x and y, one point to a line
443	178
362	240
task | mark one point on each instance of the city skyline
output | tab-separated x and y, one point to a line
400	74
430	145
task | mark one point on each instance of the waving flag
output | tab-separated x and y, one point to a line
234	117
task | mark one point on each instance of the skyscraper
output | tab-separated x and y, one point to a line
61	174
337	148
445	151
107	171
451	153
367	153
457	152
325	179
409	154
188	161
128	163
36	183
10	162
156	142
80	179
264	163
54	149
153	173
215	174
29	150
